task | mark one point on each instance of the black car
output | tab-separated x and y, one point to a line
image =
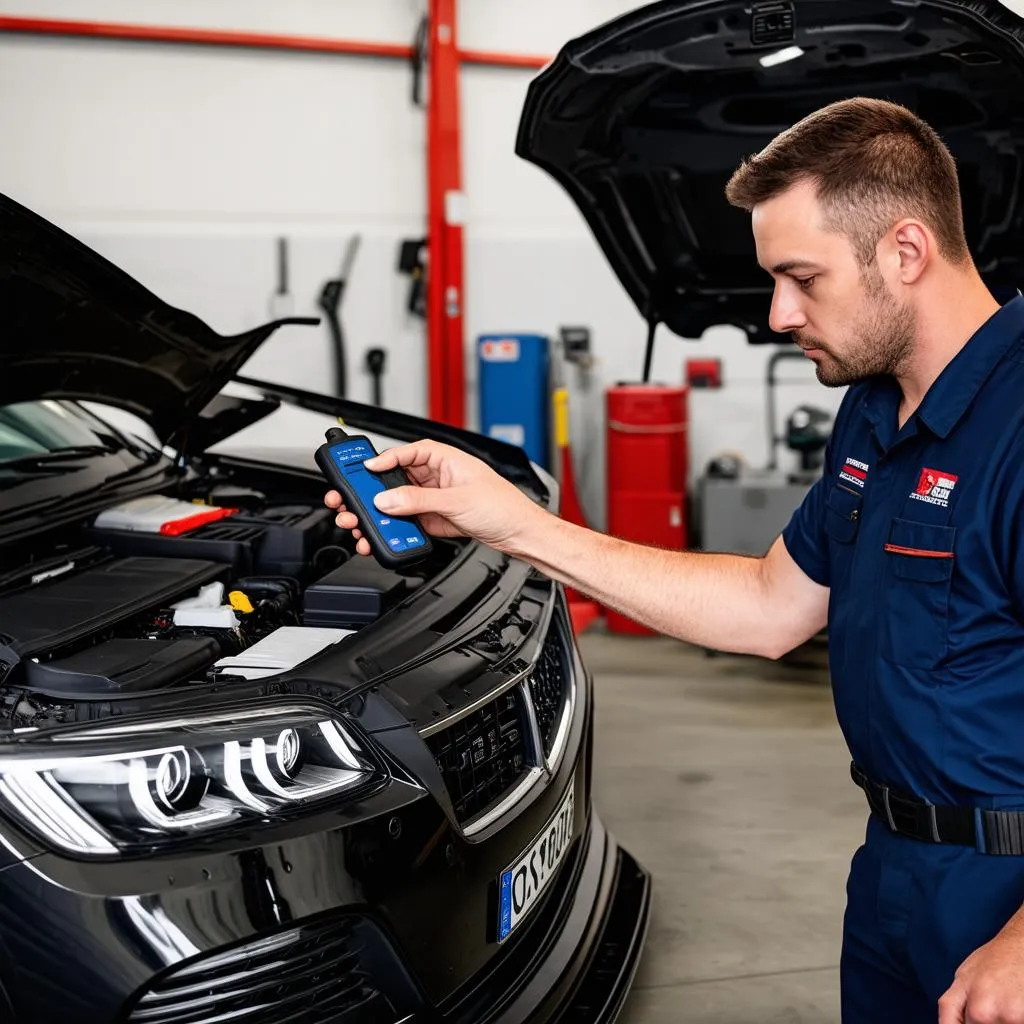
244	775
247	777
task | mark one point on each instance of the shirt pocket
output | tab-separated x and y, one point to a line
919	559
842	514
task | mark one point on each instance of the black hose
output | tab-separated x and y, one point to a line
649	354
330	300
331	295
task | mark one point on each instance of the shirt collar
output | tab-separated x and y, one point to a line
959	383
881	407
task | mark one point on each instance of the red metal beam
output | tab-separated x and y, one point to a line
201	36
207	37
445	345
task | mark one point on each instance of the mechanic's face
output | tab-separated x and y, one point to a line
840	313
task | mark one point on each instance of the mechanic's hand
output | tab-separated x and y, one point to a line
989	984
457	496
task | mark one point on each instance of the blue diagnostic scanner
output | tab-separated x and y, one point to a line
394	540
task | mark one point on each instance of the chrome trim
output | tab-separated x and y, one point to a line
552	760
443	723
562	623
531	721
508	801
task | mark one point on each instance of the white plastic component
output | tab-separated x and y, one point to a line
285	648
207	618
148	513
210	596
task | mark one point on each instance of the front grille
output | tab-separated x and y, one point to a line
482	755
310	974
549	687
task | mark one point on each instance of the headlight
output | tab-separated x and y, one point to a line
124	788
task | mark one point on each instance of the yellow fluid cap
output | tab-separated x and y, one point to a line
240	602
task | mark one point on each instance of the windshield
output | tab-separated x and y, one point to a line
29	429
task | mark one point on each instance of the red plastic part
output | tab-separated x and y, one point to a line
647	454
176	527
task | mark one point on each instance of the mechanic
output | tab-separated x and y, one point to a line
910	548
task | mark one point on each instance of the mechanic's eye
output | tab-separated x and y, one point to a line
805	282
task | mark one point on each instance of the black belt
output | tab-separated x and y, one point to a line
995	832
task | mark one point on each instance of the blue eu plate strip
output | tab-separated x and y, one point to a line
505	918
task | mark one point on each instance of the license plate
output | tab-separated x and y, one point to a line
521	885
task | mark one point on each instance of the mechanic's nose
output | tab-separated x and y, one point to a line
786	314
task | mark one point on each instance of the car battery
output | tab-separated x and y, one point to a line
513	381
647	465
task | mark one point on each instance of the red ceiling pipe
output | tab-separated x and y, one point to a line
253	40
201	36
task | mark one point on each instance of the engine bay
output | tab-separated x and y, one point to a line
126	604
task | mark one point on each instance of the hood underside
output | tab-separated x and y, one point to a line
74	326
643	121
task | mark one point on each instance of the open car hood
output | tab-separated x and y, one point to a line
74	326
643	121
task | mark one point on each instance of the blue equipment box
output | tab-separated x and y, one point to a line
513	382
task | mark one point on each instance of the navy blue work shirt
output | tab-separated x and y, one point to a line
919	534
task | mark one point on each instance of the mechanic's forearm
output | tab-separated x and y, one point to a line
722	602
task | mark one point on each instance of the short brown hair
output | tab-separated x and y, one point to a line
873	163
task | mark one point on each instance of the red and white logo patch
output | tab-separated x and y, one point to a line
854	472
935	487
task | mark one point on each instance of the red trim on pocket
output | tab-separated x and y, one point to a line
917	552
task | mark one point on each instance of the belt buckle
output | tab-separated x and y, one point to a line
933	821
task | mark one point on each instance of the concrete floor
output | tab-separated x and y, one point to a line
729	780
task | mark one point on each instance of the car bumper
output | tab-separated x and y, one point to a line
157	957
588	973
371	913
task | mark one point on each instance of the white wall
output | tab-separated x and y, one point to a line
183	164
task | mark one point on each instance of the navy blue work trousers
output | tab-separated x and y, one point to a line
915	911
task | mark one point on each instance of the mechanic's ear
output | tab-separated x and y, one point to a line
914	247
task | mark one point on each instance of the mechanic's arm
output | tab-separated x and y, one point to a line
764	606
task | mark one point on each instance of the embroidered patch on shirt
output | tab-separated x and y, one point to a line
854	472
935	487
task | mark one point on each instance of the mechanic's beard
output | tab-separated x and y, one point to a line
880	342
